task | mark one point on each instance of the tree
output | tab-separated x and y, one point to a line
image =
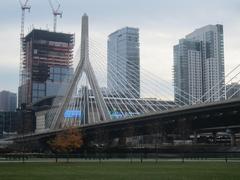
67	141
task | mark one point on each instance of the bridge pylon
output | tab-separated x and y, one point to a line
84	66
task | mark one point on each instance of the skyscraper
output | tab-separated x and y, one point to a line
47	64
200	74
123	66
8	101
187	72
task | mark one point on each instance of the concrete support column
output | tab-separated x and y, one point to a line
122	141
214	134
195	137
163	137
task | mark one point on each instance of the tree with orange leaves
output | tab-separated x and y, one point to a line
67	141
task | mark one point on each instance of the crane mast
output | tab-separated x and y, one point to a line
56	12
24	7
22	72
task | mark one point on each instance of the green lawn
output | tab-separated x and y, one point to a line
120	170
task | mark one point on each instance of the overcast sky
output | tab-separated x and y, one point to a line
161	24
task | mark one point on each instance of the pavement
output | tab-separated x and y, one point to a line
53	160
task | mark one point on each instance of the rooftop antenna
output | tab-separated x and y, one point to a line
56	12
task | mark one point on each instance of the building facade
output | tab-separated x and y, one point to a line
212	52
199	72
8	101
47	65
187	70
8	123
123	65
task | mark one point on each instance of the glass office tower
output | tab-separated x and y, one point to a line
123	66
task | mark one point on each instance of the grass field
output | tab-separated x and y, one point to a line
120	171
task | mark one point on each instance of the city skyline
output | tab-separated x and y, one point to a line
148	90
159	29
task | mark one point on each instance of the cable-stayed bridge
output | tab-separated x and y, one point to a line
88	103
115	109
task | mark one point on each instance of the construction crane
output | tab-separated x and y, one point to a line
24	6
22	72
56	12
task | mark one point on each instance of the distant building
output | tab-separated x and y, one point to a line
233	90
47	65
212	51
187	72
8	123
8	101
26	122
199	66
123	66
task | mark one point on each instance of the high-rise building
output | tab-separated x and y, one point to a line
123	66
187	72
199	72
212	52
8	101
47	65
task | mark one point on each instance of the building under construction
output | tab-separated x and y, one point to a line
46	65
